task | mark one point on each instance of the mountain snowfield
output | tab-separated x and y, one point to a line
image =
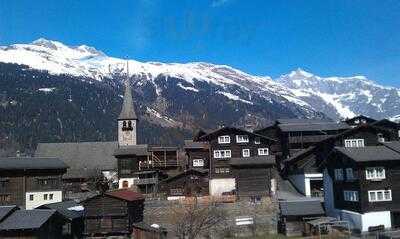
337	97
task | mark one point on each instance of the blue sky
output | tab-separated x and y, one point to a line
331	37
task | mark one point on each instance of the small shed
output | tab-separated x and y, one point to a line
112	213
36	223
142	230
293	213
191	182
72	213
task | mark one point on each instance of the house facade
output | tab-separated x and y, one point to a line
31	182
231	144
361	186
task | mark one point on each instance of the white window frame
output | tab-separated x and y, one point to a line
220	170
257	140
224	139
222	154
198	162
247	154
376	193
354	143
263	151
350	196
338	174
375	174
350	174
242	138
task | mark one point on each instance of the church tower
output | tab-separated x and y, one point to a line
127	120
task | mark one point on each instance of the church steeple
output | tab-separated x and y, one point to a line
128	110
127	119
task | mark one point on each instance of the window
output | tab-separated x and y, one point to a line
257	140
380	195
338	174
50	196
3	182
125	166
246	153
125	184
351	196
198	162
381	138
375	173
349	174
222	170
5	197
31	197
45	196
225	139
354	143
242	138
263	151
219	154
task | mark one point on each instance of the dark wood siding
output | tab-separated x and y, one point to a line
254	181
187	184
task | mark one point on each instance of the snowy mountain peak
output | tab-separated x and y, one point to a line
300	73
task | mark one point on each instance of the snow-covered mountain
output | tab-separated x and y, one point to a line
83	61
297	94
342	97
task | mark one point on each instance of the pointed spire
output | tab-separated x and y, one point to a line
128	110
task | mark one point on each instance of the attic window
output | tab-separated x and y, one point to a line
354	143
224	139
242	138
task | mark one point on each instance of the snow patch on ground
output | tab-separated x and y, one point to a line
334	100
234	97
47	90
187	87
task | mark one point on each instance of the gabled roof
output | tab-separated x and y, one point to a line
83	158
369	153
253	161
303	121
301	208
128	110
386	121
138	150
226	129
190	144
324	126
70	210
393	145
27	219
6	211
126	195
31	163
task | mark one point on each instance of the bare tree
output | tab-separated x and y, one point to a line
193	219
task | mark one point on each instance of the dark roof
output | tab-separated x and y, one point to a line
187	172
303	121
360	117
128	110
190	144
225	129
161	148
256	160
125	194
139	150
394	145
68	209
301	208
300	154
6	210
27	219
83	159
321	126
31	163
369	153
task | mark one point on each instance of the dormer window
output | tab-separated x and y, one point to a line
354	143
224	139
242	138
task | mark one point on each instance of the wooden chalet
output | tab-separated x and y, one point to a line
113	213
294	213
72	213
198	154
36	223
359	120
302	169
192	182
31	182
362	185
229	143
295	135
